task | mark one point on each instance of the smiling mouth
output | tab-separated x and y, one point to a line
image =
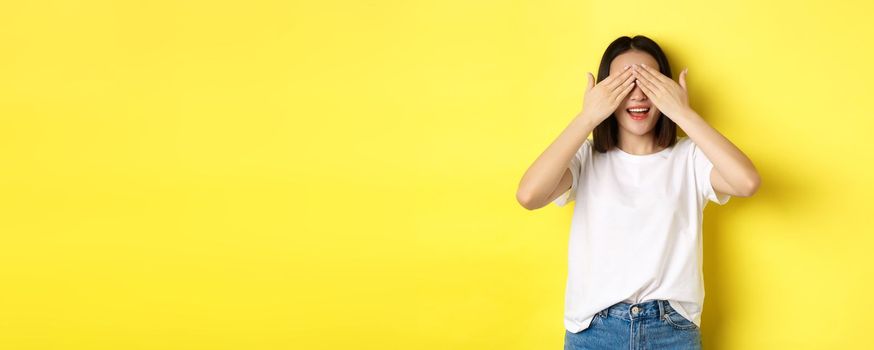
638	113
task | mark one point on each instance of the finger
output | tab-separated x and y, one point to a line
629	85
683	78
648	78
655	73
629	80
590	81
606	81
648	87
619	78
648	91
640	77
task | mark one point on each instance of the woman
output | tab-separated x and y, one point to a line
635	248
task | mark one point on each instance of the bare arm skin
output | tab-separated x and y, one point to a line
549	176
733	172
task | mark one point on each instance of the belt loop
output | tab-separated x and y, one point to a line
662	309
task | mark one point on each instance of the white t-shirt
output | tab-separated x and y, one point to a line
636	230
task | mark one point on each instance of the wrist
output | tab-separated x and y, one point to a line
685	115
585	119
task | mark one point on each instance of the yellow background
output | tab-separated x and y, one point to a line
342	174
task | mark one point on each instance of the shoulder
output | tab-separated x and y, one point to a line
685	145
684	141
585	150
587	146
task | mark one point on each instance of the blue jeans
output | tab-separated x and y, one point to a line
652	324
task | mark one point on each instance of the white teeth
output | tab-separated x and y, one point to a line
639	110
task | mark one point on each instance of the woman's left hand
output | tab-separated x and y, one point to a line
669	97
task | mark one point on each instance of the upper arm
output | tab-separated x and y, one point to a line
565	191
564	185
720	186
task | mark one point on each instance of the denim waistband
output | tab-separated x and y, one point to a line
633	311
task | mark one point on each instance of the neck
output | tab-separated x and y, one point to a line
638	144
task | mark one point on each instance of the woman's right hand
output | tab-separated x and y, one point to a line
602	100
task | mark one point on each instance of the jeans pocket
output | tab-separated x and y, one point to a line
676	320
598	318
595	320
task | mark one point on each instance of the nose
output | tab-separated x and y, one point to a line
637	93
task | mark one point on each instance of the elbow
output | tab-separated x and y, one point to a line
525	200
752	186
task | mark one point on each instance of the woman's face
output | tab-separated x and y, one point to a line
638	123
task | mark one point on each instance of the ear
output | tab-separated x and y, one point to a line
683	78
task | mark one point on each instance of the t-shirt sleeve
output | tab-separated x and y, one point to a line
576	167
702	169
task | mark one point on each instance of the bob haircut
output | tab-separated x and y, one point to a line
606	134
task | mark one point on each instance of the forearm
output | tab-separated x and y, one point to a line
542	177
729	161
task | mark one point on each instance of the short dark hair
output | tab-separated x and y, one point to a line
606	134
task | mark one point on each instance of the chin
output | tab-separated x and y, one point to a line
639	127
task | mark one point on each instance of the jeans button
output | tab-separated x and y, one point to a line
634	310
